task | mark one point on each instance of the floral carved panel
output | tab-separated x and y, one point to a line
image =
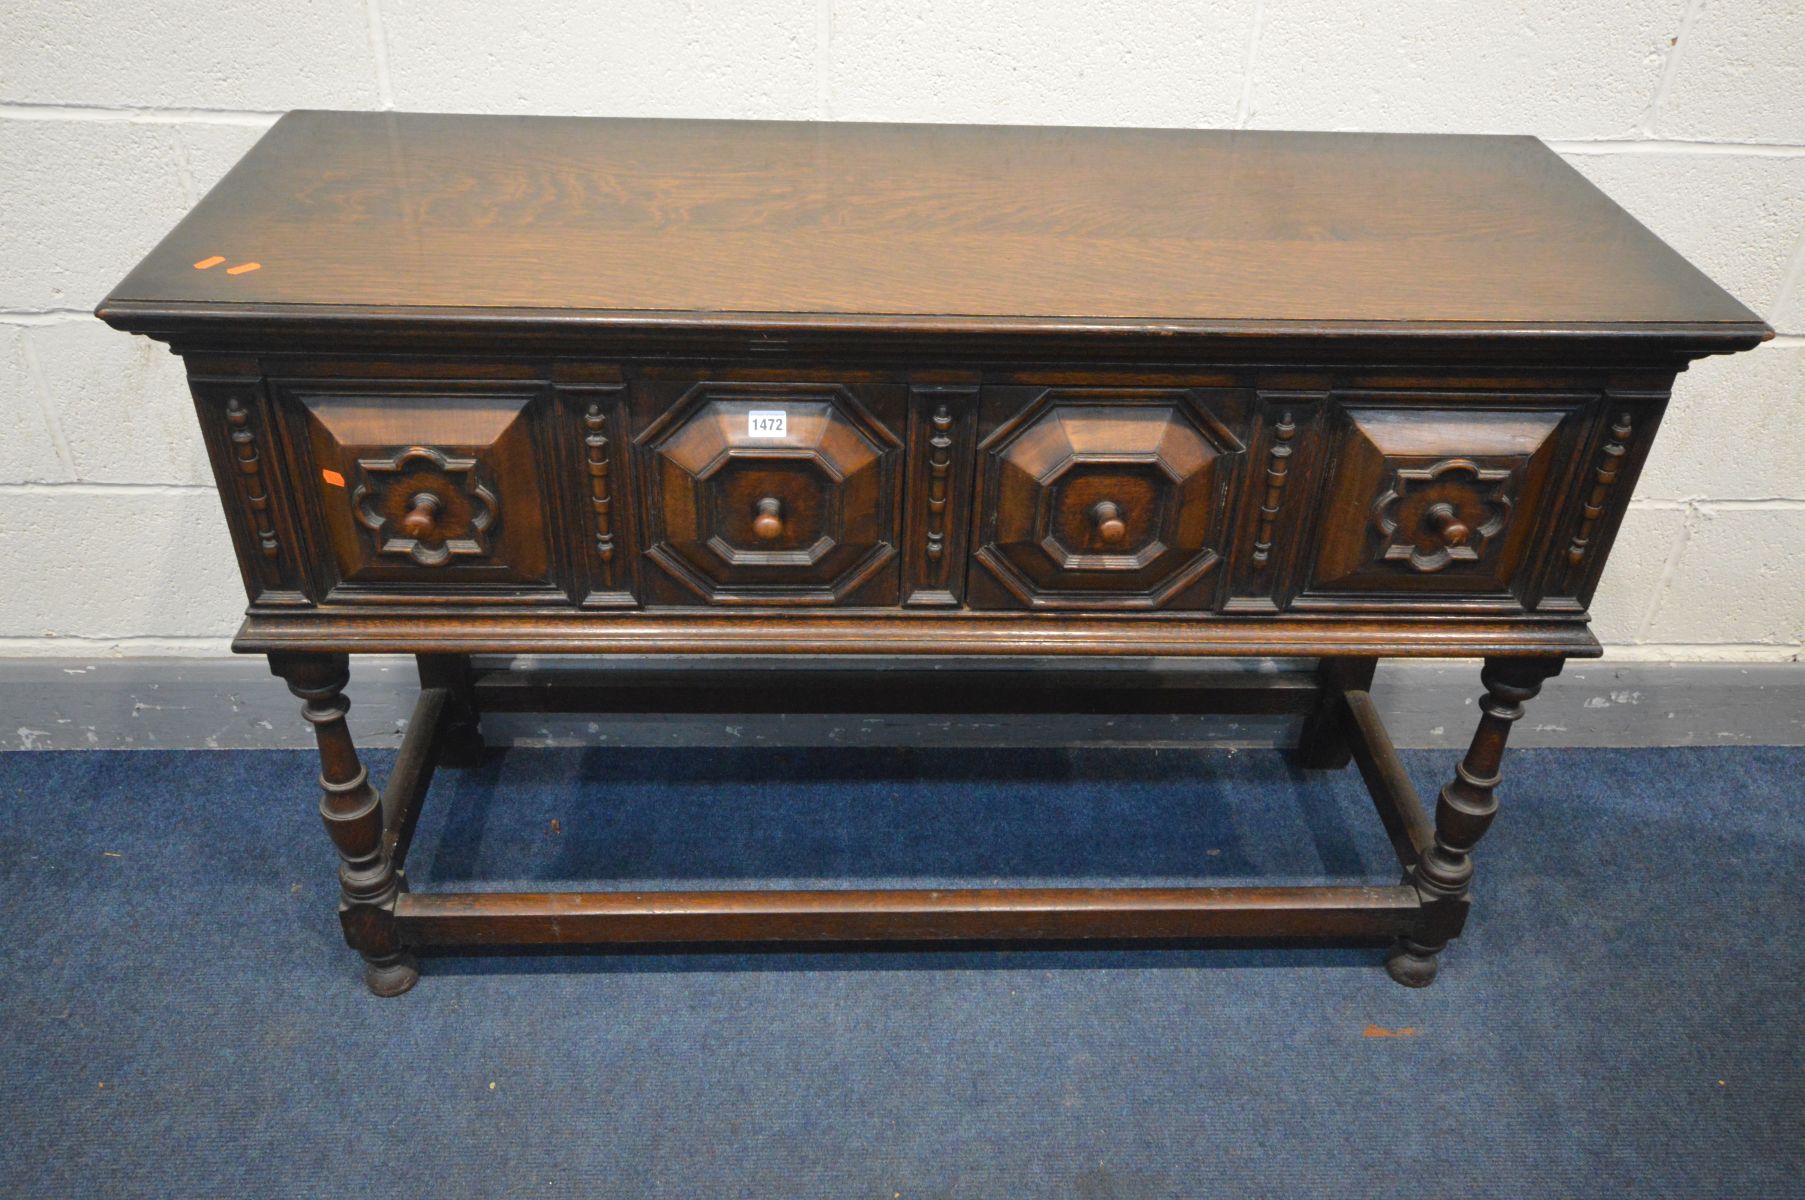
425	504
1433	516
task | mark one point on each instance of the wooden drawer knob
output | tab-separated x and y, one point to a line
1110	526
422	519
768	524
1444	520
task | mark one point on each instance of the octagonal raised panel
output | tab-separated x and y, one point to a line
772	493
1109	500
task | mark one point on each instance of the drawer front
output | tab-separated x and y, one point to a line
1104	499
427	487
612	486
1454	501
771	492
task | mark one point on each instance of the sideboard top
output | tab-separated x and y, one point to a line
730	223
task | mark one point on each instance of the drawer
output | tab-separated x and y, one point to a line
771	491
1441	496
1104	498
664	486
432	486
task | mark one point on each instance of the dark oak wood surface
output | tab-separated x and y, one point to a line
522	385
971	223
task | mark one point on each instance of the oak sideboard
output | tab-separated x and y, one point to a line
553	386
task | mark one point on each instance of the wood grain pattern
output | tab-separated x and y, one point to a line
443	482
258	508
937	493
808	517
1401	634
504	385
1610	463
593	456
1443	873
952	915
1427	499
353	812
529	214
1105	498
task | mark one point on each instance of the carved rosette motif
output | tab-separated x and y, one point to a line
425	504
1278	469
1604	478
939	463
601	499
1441	514
250	469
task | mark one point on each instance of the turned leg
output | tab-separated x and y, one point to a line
1465	809
462	743
352	810
1322	744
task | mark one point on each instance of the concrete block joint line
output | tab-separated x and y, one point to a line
1690	115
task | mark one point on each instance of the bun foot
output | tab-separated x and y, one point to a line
394	977
1411	965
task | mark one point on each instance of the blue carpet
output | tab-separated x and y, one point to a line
1622	1019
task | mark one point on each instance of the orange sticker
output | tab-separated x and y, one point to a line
204	263
333	477
241	268
1379	1031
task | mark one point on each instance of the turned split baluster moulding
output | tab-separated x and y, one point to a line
1026	396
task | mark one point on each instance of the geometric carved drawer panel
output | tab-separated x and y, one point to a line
1104	499
434	487
1436	500
772	493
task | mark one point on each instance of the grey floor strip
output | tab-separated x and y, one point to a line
234	703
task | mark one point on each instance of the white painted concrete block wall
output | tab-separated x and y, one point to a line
115	118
